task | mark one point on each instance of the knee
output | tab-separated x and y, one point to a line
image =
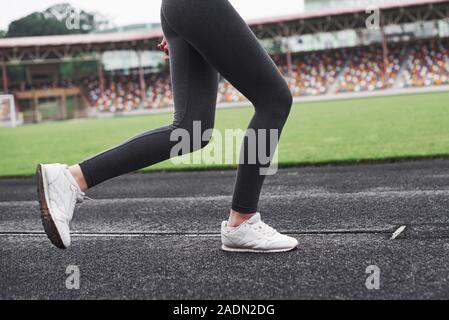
285	102
279	103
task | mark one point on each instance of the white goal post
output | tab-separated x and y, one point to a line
8	116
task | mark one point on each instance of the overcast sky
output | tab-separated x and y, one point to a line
123	12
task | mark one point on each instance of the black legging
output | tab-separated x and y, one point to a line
205	36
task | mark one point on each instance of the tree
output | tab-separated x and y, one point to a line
82	20
56	20
36	24
2	33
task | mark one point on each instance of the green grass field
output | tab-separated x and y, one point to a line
318	132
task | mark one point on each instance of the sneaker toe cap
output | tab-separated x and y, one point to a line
285	242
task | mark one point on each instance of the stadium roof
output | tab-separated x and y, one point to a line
343	11
72	47
79	39
350	18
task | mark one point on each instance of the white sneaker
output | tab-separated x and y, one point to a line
58	193
255	236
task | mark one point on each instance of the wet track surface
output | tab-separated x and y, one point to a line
156	236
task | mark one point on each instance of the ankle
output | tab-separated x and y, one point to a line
237	218
76	172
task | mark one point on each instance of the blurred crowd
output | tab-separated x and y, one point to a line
426	65
123	92
366	71
357	69
312	73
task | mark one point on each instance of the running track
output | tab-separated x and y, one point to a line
155	236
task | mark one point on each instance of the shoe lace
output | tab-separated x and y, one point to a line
78	197
265	228
81	196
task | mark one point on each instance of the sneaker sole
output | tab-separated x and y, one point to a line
47	220
228	249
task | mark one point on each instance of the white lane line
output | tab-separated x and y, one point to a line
191	234
397	232
108	235
286	195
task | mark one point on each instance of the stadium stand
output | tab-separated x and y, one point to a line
414	64
427	64
357	69
123	93
365	70
314	72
